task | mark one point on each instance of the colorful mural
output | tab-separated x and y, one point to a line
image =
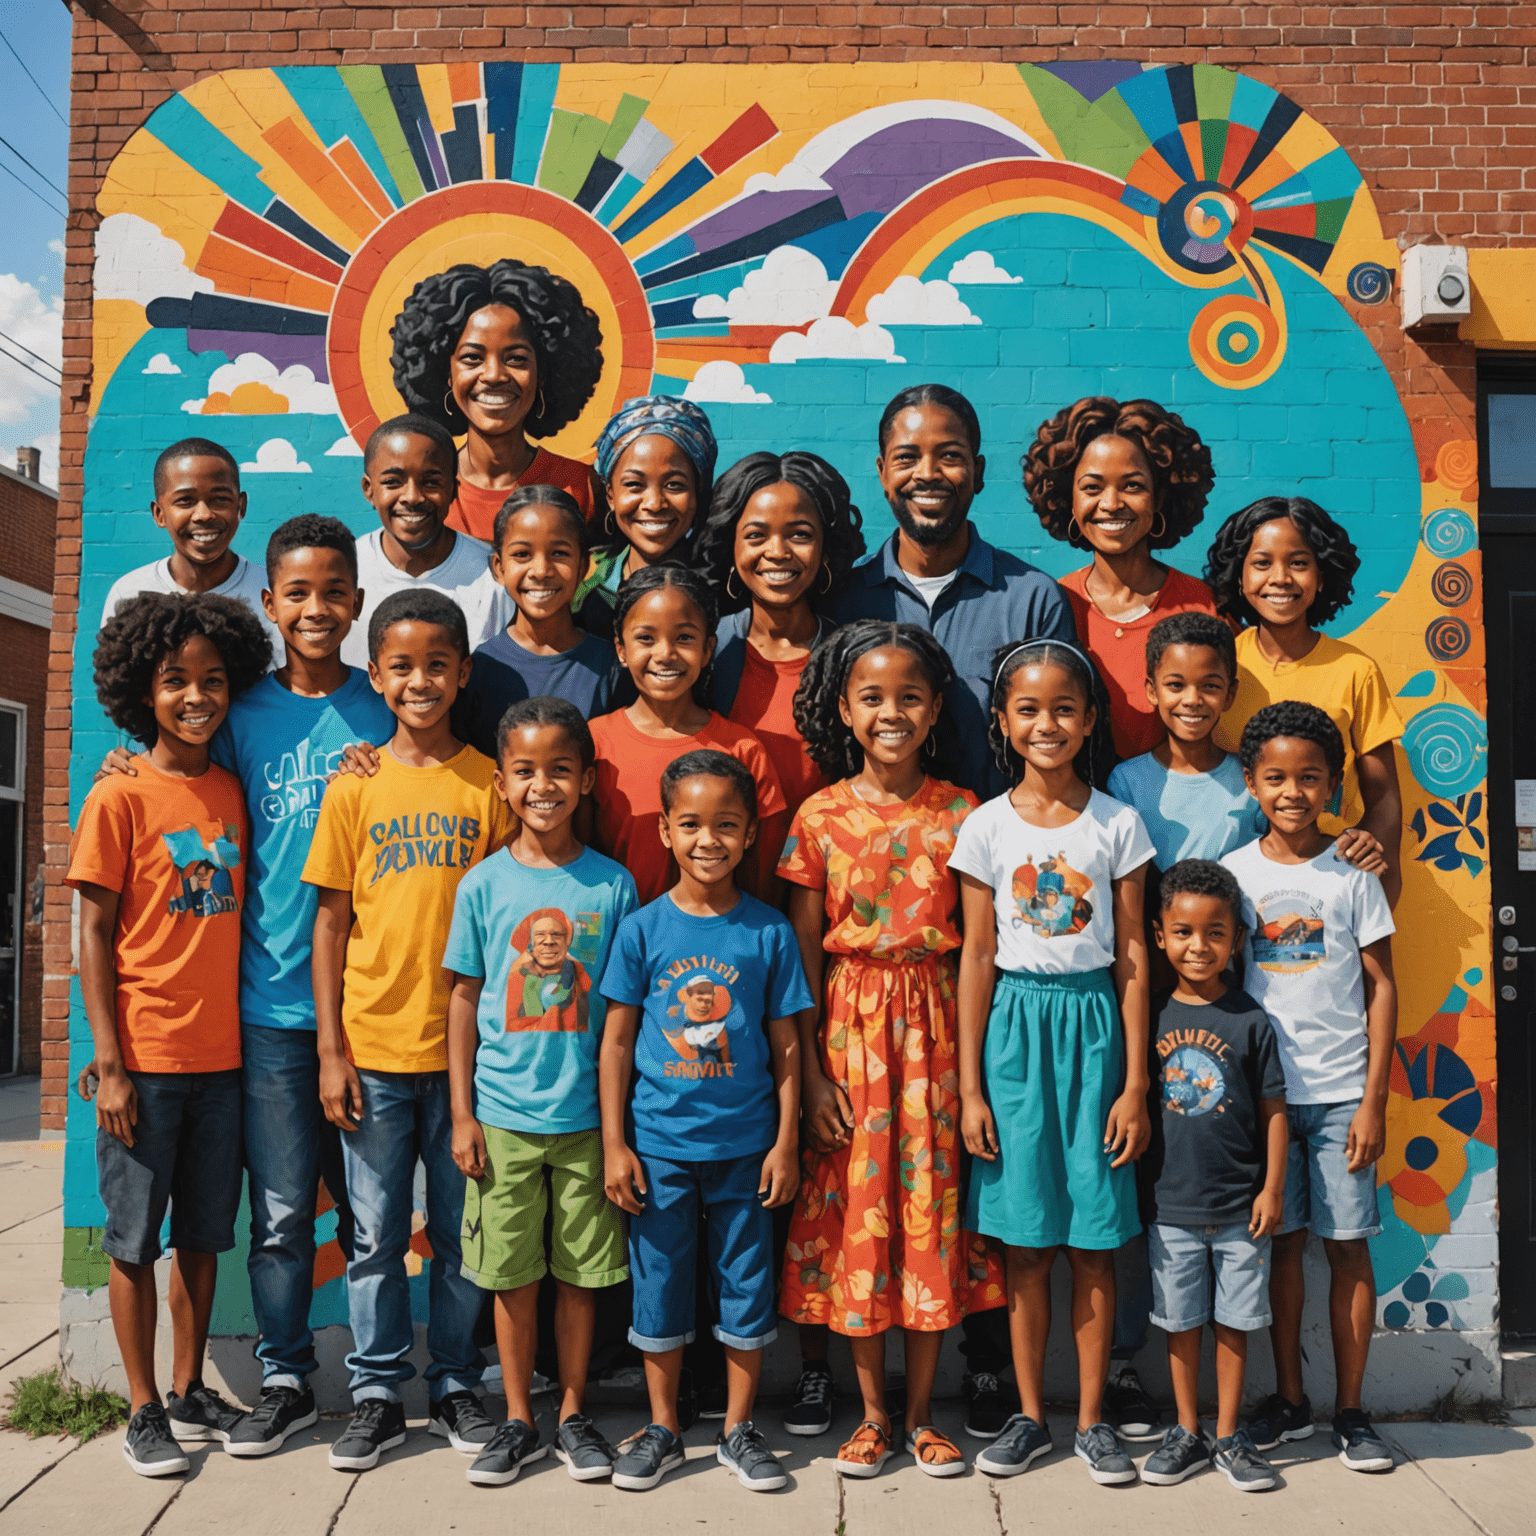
789	246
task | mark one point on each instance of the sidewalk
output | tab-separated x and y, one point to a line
1452	1478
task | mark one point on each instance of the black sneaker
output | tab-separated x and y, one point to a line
584	1449
512	1444
201	1414
712	1399
461	1420
1019	1443
645	1460
989	1405
281	1411
151	1449
1180	1454
1360	1448
746	1453
1243	1467
1107	1460
1280	1419
811	1411
377	1425
1128	1407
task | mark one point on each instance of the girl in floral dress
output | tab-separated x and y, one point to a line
876	1242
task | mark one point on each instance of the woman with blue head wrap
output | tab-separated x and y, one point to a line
656	461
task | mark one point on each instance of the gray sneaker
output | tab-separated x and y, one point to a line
378	1425
1020	1443
151	1449
746	1453
645	1460
1280	1419
1180	1454
460	1418
512	1445
1360	1448
201	1414
1107	1459
582	1447
1242	1465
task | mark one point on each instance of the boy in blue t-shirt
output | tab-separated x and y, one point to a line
703	986
532	928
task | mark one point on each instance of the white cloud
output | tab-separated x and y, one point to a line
911	301
980	267
789	288
36	324
344	447
794	177
135	261
161	363
836	337
57	247
724	383
296	385
276	456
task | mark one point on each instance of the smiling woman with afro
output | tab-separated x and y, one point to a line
499	355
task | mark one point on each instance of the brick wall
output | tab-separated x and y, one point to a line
1436	105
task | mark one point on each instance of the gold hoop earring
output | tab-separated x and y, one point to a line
450	405
730	573
539	406
826	570
1158	533
1074	534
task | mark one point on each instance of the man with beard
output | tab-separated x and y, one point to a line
938	572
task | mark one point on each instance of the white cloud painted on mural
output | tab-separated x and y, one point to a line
911	301
790	288
344	448
837	337
135	261
296	385
276	456
980	267
161	363
722	382
794	177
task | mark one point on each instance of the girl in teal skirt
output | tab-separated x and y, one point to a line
1053	1035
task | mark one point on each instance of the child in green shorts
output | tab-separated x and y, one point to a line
532	927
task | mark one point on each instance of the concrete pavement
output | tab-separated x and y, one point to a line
1451	1478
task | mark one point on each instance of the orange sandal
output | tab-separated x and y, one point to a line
936	1453
866	1451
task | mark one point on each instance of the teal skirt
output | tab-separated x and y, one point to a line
1053	1066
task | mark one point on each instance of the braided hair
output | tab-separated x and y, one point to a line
655	578
1097	751
829	742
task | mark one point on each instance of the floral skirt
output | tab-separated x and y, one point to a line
876	1241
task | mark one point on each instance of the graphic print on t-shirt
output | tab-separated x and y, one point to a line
403	842
1193	1082
703	1010
548	985
1052	897
1289	935
204	861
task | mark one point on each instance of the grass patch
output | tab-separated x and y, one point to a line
42	1405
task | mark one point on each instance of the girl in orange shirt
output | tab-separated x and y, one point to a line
1122	480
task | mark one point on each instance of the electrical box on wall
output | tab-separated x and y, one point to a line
1436	289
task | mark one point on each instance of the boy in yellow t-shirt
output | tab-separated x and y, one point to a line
388	854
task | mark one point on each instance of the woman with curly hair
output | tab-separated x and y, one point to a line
500	354
1122	479
781	537
1279	568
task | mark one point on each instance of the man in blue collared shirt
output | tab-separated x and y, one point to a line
938	572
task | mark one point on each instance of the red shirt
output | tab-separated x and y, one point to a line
765	704
627	795
474	510
1119	651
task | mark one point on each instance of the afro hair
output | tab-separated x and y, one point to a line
1201	877
1301	722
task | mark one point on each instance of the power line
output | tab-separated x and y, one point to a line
56	187
61	212
33	78
30	353
51	383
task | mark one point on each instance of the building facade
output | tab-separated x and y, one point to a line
1310	232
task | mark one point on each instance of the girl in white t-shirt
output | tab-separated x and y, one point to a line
1053	1088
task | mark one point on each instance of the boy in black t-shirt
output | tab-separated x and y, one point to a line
1218	1170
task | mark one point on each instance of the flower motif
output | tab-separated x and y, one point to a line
1444	850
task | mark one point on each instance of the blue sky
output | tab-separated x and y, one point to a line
32	230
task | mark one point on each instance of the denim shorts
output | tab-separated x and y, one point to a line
186	1153
1321	1194
1183	1260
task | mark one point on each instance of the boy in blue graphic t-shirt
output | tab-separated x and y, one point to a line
702	988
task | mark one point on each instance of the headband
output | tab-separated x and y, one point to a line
663	416
1030	645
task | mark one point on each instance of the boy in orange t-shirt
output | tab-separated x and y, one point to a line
159	861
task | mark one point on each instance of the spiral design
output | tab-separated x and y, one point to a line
1456	464
1447	532
1202	224
1451	584
1447	639
1236	342
1447	748
1369	283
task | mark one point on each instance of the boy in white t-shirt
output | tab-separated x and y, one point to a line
1319	962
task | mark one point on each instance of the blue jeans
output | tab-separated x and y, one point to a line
289	1147
1321	1194
406	1117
